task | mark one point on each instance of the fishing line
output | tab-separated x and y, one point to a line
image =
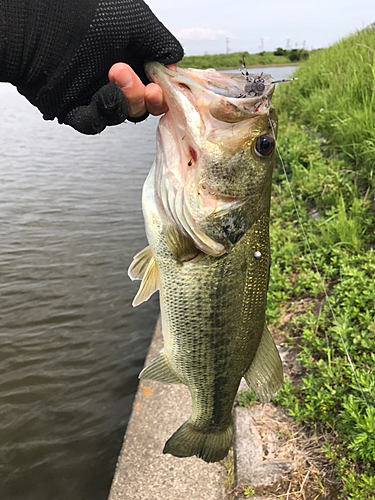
315	265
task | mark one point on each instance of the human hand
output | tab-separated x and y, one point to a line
141	99
62	51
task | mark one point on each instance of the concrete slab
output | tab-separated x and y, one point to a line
142	471
256	456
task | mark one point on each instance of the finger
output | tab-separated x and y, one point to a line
154	100
132	87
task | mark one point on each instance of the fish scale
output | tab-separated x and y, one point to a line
208	255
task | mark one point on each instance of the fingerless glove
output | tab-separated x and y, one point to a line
58	54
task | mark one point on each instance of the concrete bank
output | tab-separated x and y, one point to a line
142	471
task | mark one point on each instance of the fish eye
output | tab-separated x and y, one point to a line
264	145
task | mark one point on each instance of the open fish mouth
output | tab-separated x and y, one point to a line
211	114
244	97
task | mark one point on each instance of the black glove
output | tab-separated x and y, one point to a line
58	54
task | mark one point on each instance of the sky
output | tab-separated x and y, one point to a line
218	26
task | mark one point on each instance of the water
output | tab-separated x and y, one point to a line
71	345
278	72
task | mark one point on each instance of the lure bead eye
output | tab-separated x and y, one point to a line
264	145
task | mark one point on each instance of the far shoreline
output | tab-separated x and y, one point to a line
234	60
261	66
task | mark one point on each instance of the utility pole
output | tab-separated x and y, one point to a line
227	42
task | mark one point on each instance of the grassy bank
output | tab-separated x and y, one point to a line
327	142
234	60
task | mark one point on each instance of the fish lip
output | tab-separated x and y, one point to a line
151	66
159	73
154	66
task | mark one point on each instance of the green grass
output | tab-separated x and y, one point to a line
327	142
335	95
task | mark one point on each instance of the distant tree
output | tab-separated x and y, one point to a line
297	55
304	54
280	52
293	55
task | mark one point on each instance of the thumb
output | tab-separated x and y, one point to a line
108	106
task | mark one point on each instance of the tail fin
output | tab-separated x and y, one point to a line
209	446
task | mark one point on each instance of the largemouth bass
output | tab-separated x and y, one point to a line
206	205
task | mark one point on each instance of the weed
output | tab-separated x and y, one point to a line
228	463
249	491
246	398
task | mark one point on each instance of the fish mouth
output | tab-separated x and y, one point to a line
242	94
205	107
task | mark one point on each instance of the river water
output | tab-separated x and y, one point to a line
71	345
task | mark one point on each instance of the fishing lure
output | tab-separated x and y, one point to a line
256	86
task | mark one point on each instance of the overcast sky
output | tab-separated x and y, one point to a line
215	26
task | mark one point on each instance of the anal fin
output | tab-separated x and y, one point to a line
160	370
265	375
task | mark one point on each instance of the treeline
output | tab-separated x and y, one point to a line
234	60
294	55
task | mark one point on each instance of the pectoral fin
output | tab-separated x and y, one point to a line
139	265
144	268
160	370
265	375
180	245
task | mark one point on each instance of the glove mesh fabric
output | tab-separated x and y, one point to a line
58	52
